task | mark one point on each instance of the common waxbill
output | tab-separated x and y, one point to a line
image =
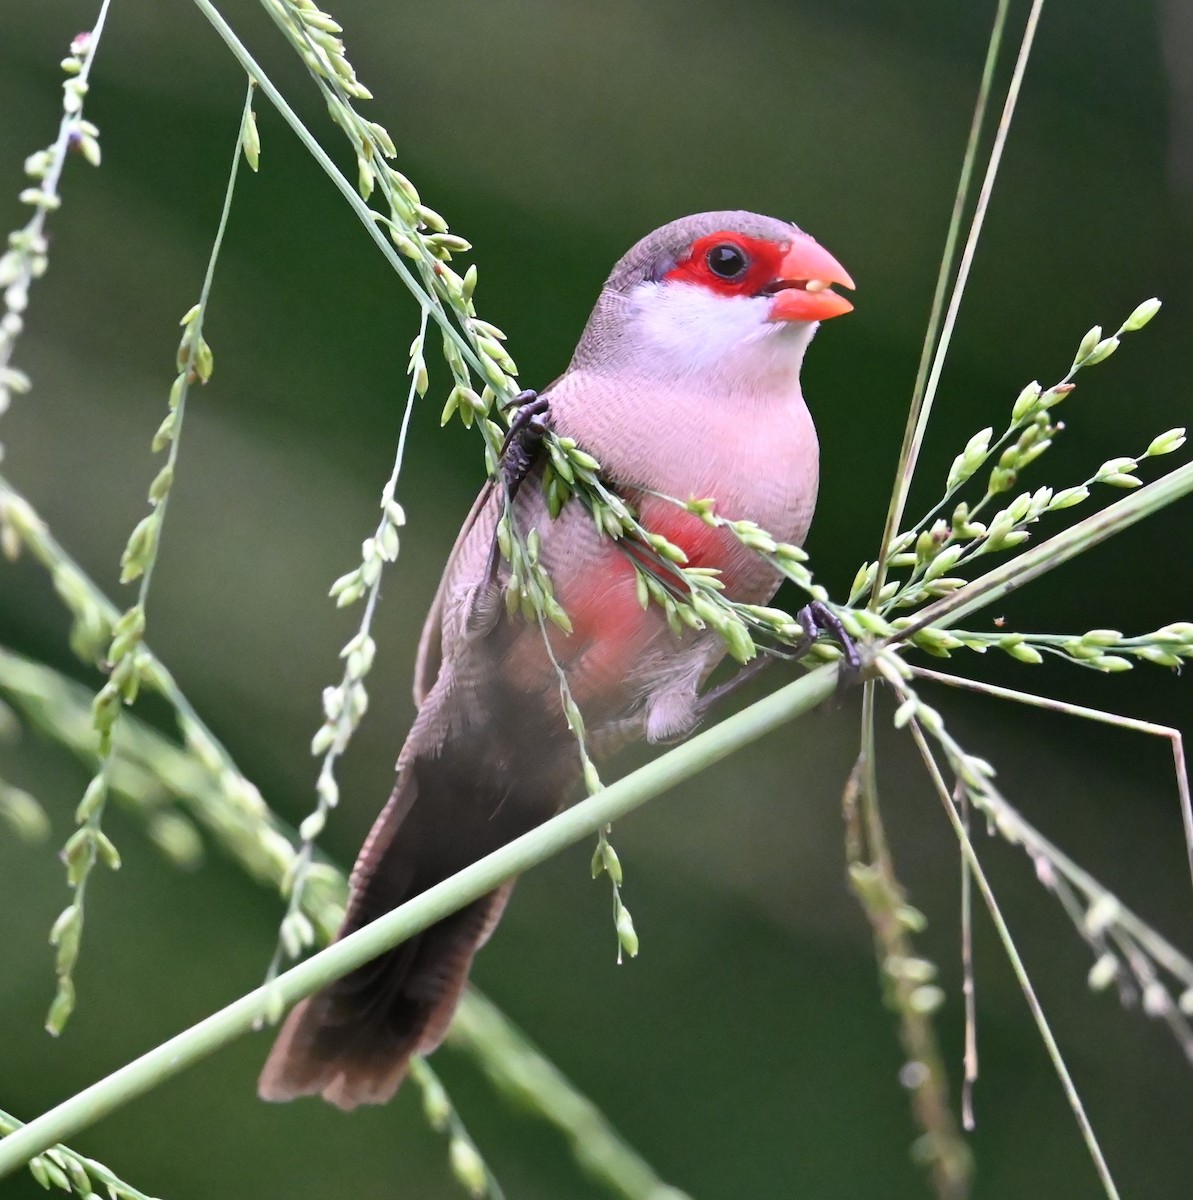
686	383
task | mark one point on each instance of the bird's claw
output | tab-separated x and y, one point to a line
528	426
818	620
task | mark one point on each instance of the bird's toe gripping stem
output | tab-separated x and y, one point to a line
818	620
519	452
528	426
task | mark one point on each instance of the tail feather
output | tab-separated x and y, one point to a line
352	1042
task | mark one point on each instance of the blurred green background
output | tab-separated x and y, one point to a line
745	1052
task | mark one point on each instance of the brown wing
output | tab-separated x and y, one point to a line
430	644
430	653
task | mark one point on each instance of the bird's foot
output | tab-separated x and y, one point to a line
529	424
520	450
817	620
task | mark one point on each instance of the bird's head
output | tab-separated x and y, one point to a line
732	295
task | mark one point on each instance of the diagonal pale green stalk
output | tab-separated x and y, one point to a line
16	286
153	775
80	1172
62	142
1040	848
61	707
917	420
334	93
201	5
351	685
194	335
895	511
89	818
240	820
519	1069
467	1165
368	217
1089	714
210	783
430	301
581	821
1012	953
371	219
1031	564
78	590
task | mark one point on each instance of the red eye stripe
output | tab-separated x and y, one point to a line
763	259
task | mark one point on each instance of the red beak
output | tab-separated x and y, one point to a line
801	291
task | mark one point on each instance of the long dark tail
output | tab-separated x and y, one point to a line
352	1042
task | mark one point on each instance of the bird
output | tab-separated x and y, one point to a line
685	383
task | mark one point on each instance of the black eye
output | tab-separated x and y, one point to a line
727	260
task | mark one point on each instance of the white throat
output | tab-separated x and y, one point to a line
684	330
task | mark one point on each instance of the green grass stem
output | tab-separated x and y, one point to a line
581	821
